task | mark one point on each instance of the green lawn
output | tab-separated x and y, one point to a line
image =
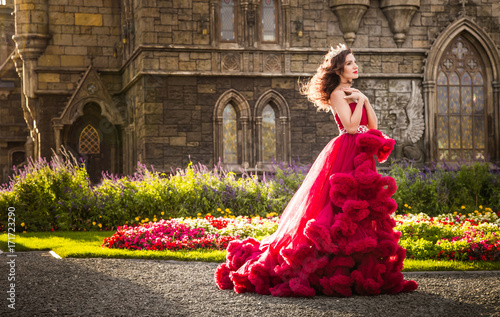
88	245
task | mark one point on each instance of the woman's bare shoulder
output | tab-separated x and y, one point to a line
337	93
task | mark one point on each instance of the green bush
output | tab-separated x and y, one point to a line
58	195
444	190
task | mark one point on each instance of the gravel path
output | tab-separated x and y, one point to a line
46	286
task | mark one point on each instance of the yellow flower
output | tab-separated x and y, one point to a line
154	219
218	209
100	216
406	205
100	226
22	224
463	207
147	219
126	222
24	231
136	218
409	207
227	209
455	213
93	223
480	207
198	214
162	213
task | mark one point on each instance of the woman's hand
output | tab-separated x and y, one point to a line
354	94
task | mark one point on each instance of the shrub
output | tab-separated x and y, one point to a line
443	189
58	195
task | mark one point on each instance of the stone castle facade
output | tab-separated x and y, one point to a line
168	81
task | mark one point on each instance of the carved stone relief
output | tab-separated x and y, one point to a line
230	62
400	111
272	64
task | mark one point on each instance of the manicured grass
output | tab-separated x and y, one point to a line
411	265
88	245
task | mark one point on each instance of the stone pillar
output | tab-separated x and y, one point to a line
213	29
349	14
399	14
285	5
284	137
496	121
258	143
244	149
218	145
430	143
57	136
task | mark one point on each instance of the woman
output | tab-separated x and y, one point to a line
336	235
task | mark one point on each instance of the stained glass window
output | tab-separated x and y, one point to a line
268	21
228	21
268	134
461	115
230	136
89	142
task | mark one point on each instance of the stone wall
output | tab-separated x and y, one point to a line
165	68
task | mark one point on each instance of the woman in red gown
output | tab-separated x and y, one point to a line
336	236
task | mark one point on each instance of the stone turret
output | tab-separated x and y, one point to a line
31	28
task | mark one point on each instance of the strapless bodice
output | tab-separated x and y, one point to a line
364	118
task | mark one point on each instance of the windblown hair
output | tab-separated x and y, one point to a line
319	88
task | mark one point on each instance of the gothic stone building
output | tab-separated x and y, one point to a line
167	81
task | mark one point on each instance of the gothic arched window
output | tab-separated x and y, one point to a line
268	142
89	142
269	15
230	135
461	110
227	21
272	129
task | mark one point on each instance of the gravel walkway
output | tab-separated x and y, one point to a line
46	286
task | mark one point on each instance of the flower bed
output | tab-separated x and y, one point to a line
472	237
188	233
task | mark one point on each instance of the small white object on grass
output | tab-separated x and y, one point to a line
55	255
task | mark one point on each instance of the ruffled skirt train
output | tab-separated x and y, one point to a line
336	236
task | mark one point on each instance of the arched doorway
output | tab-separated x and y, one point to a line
94	140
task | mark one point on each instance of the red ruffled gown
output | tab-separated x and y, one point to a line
336	236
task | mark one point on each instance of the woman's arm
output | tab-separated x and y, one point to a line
350	120
372	117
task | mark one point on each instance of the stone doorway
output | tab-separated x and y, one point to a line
94	141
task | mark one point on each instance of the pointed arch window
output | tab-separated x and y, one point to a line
269	17
268	142
461	114
227	21
230	135
272	129
89	142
